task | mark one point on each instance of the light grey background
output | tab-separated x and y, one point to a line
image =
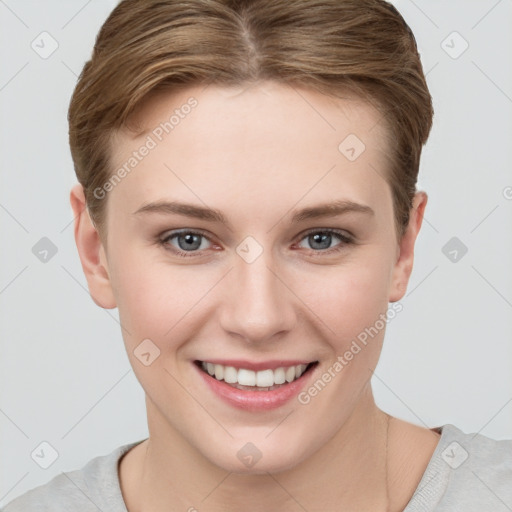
65	378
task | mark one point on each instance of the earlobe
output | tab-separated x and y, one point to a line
91	252
403	266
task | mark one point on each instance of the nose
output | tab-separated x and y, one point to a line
257	304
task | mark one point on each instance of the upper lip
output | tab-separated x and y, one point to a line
260	365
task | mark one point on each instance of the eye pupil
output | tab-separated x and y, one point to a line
324	239
190	241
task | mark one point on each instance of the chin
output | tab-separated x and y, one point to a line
259	458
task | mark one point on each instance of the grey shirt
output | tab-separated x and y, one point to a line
467	473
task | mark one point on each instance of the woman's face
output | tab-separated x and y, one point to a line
257	272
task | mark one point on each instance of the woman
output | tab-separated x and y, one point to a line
247	200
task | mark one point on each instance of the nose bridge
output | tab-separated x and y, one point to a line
257	304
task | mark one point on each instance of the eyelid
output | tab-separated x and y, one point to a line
173	232
340	232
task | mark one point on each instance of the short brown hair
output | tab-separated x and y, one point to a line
332	46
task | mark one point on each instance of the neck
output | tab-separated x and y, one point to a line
348	473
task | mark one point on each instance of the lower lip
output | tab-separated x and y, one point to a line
255	400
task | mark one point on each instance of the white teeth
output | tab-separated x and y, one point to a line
230	374
299	370
290	374
246	377
265	378
219	371
279	377
261	379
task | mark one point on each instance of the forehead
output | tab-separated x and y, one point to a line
267	103
266	144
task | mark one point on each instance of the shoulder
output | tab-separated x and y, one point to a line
468	472
93	487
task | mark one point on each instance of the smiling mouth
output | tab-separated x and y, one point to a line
250	380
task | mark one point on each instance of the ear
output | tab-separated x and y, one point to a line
403	266
91	251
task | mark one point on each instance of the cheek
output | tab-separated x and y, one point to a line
348	298
157	300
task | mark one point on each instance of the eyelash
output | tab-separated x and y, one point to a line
345	240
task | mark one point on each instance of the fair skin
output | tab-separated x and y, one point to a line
258	154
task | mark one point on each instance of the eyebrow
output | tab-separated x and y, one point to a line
331	209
